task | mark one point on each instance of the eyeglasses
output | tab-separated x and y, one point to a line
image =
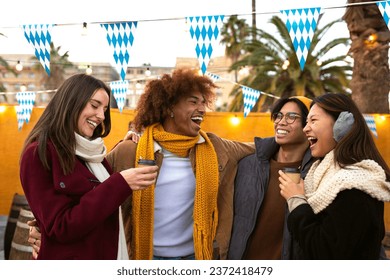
290	117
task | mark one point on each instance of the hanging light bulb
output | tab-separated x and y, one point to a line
84	31
19	66
88	71
148	72
23	88
286	64
235	120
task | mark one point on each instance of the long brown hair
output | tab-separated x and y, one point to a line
58	122
358	144
161	94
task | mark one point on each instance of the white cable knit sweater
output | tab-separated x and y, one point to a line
325	180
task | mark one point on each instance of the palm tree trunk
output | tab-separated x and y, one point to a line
370	37
254	19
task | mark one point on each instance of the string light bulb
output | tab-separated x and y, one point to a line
286	64
148	72
84	31
235	120
19	66
23	88
88	71
371	40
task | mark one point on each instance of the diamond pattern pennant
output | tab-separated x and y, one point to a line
20	117
301	24
26	102
370	120
250	98
213	77
204	30
120	37
39	37
119	90
384	8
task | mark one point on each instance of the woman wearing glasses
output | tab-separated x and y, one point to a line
259	225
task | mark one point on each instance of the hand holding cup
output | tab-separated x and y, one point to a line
141	177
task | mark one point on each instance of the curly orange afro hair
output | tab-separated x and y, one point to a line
161	94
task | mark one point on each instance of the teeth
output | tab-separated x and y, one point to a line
311	138
93	123
197	118
281	131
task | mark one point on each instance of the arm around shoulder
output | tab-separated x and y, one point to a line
122	156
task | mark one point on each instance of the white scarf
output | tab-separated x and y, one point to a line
325	180
93	153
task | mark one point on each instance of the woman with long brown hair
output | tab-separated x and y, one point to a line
68	183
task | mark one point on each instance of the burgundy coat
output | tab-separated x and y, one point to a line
77	215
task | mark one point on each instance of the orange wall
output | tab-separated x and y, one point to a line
255	124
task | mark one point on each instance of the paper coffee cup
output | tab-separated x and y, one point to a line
293	173
146	162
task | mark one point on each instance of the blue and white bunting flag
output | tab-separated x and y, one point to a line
119	91
120	37
26	102
39	37
250	98
301	24
370	120
213	77
204	31
384	8
20	117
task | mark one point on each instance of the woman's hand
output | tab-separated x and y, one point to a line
288	187
141	177
133	136
34	238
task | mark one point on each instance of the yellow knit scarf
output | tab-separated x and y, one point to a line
205	206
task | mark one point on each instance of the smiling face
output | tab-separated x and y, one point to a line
93	113
289	133
319	131
188	114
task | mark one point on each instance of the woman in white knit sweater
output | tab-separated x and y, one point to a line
337	211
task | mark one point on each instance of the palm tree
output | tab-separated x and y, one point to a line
370	37
58	64
5	64
274	67
233	34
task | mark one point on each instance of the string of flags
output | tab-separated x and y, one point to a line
204	31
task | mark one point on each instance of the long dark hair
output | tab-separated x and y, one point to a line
358	144
58	122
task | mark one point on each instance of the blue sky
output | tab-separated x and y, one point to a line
161	35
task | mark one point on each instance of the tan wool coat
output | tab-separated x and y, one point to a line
228	153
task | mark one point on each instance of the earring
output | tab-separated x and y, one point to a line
172	115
